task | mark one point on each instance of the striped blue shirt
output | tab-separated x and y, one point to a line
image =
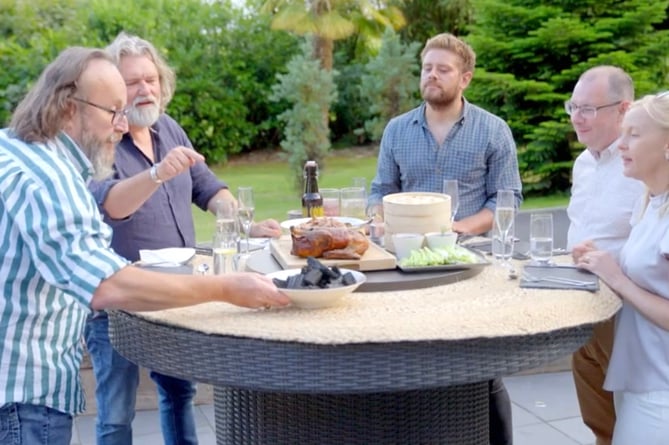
55	252
479	152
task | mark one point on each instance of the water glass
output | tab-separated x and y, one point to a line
541	237
360	182
353	202
224	249
330	201
226	216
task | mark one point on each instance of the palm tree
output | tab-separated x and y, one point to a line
330	20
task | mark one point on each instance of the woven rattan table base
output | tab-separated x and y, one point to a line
274	393
455	415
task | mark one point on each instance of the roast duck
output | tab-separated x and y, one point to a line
328	238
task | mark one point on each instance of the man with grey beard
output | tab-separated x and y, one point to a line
158	176
56	263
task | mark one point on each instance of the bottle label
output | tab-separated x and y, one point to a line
312	211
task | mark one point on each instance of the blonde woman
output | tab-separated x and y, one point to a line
638	373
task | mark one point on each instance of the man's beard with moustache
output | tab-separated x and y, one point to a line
440	99
96	150
143	116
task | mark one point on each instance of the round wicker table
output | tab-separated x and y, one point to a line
375	370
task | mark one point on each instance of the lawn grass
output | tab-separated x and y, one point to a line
274	193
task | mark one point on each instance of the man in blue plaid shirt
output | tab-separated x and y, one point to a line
446	137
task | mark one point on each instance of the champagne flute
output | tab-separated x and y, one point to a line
245	211
224	243
505	212
450	188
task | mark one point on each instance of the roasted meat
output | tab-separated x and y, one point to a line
327	238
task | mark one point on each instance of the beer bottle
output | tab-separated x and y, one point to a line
312	201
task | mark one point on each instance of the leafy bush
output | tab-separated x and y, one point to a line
225	59
532	55
309	89
390	83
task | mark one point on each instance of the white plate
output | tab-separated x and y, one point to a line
317	298
168	257
354	222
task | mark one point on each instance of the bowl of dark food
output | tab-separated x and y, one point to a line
315	285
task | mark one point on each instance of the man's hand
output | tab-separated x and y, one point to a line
252	290
268	228
176	162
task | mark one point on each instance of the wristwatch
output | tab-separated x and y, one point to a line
153	172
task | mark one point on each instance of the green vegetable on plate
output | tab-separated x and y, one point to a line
438	257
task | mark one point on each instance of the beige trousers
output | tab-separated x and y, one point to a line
589	365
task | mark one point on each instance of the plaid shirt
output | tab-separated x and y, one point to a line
479	152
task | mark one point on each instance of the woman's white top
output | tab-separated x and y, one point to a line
640	358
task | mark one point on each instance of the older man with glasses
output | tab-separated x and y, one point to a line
599	210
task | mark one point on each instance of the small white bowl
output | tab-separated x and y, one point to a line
441	240
317	298
404	243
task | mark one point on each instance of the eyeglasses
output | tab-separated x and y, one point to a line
587	111
117	115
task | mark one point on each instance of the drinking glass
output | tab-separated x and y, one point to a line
226	216
245	210
330	201
502	250
541	238
353	202
505	212
224	249
450	188
376	225
360	182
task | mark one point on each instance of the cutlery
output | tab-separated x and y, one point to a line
557	280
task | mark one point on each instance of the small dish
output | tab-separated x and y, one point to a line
440	240
404	243
353	222
317	298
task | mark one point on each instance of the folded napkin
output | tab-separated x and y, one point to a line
558	277
169	257
519	248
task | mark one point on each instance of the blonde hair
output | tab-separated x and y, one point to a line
657	108
129	45
451	43
42	113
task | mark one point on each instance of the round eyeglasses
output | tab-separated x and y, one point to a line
117	115
586	111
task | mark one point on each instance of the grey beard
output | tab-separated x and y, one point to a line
96	152
143	118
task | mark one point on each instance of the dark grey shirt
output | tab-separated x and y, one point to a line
165	219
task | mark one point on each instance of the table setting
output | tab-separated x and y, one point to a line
413	351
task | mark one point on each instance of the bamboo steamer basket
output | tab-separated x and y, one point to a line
415	212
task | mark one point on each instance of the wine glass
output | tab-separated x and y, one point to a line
450	188
224	243
245	210
505	212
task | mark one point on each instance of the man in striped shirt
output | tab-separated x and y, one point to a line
57	264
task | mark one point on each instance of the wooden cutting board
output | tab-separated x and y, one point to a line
375	258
